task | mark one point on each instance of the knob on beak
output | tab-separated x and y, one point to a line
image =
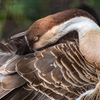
24	48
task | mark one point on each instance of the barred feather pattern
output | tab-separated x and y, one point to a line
58	72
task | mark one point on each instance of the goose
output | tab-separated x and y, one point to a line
42	64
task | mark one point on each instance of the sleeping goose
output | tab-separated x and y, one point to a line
52	67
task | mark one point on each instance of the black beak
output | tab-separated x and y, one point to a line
24	48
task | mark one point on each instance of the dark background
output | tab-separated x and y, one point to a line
18	15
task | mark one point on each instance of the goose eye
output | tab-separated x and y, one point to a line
36	38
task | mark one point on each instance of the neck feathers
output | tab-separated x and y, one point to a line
80	24
89	46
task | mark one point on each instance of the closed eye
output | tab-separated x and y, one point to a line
36	38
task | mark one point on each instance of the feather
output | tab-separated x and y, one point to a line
12	81
4	49
48	60
10	64
28	65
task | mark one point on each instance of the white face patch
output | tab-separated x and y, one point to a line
81	24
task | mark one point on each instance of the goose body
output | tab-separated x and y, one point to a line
60	71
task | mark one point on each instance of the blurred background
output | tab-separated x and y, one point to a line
18	15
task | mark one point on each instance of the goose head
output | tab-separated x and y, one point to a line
47	31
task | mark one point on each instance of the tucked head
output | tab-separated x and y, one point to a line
48	30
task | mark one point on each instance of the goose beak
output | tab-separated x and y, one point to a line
24	48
